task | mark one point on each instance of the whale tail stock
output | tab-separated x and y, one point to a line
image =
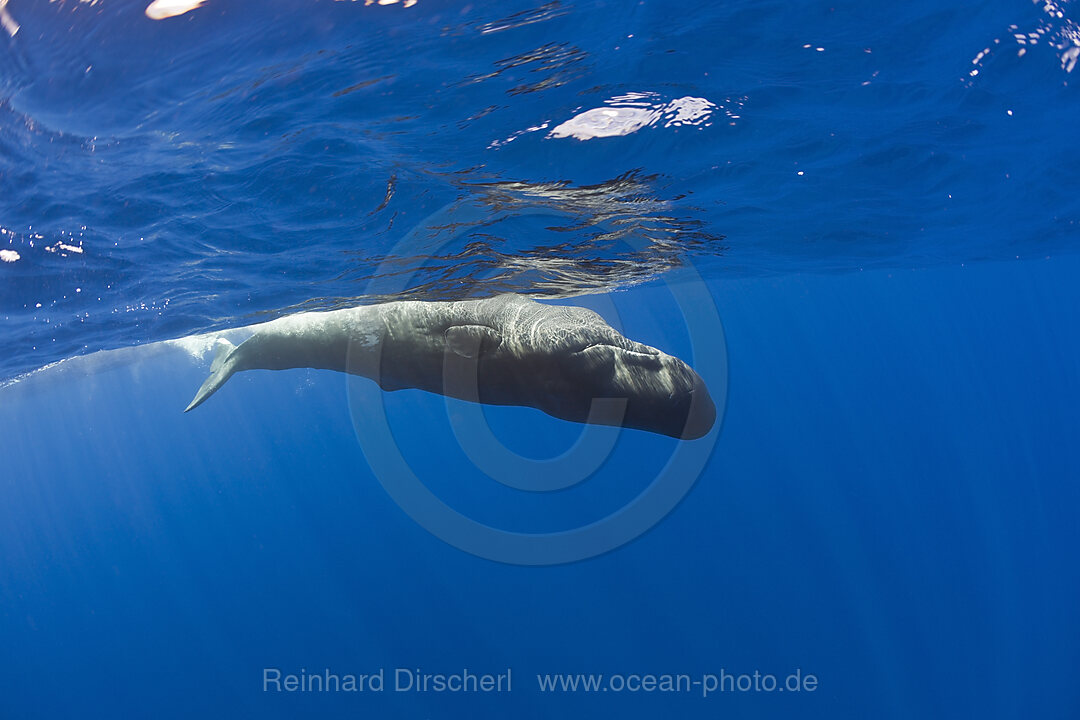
221	369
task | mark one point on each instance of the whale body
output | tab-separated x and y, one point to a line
506	350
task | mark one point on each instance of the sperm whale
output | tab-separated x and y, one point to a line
506	350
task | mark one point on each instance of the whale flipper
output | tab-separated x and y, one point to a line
220	371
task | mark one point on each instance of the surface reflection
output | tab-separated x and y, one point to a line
631	112
553	239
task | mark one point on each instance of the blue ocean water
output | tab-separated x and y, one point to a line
879	201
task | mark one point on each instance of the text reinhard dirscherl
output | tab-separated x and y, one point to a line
400	680
414	680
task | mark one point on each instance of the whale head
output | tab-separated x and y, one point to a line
578	358
662	394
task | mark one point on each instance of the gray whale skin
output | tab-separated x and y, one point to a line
506	350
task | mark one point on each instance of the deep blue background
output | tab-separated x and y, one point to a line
892	503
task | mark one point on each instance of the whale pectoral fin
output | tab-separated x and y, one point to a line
470	341
222	349
220	371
